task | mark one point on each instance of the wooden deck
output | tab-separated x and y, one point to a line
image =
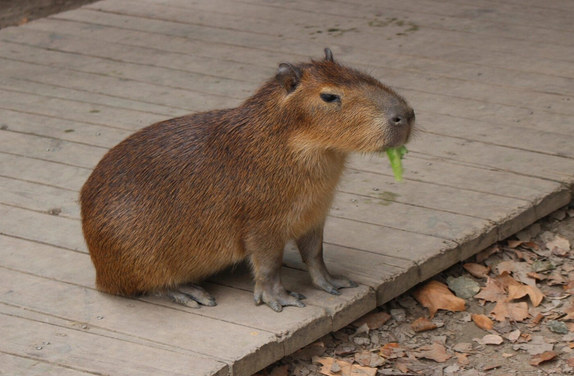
493	87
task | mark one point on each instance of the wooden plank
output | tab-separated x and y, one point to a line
120	87
22	365
261	20
42	227
43	172
293	329
39	197
446	53
208	337
175	79
413	80
76	111
66	130
106	51
51	149
23	84
518	161
95	354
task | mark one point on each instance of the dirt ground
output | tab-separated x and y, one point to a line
528	337
17	12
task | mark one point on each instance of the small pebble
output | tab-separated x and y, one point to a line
84	327
100	317
39	348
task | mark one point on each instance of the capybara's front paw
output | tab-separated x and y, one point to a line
277	297
332	284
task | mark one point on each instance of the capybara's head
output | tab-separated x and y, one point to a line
340	108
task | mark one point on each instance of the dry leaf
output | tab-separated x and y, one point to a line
492	292
513	336
346	369
369	359
436	352
513	311
373	320
559	242
462	359
545	356
309	351
422	324
462	347
480	257
517	292
23	21
504	280
490	339
570	362
391	350
402	366
435	295
536	346
477	270
514	243
482	321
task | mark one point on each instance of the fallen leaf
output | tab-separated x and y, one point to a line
435	295
436	352
369	359
507	355
542	265
504	280
477	270
545	356
513	311
492	366
559	242
402	366
422	324
513	336
506	266
570	362
483	255
373	320
462	347
23	21
492	292
568	309
517	292
462	359
344	368
490	339
514	243
392	350
482	321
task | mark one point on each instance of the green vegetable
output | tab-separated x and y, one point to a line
395	155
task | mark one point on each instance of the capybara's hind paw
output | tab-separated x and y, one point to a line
191	296
278	298
181	298
198	294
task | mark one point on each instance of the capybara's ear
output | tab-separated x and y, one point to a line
288	76
329	55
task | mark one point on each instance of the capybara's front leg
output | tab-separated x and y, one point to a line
266	258
311	248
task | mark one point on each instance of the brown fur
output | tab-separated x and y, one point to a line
184	198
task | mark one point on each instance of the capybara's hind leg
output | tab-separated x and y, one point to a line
198	294
311	248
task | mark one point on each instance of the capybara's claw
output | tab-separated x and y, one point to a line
198	294
297	295
278	298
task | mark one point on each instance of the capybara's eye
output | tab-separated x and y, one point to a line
330	98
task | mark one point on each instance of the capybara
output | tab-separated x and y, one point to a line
184	198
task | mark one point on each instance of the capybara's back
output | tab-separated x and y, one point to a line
184	198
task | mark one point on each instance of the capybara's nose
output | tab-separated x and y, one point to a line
402	118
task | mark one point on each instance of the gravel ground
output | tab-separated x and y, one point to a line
385	342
